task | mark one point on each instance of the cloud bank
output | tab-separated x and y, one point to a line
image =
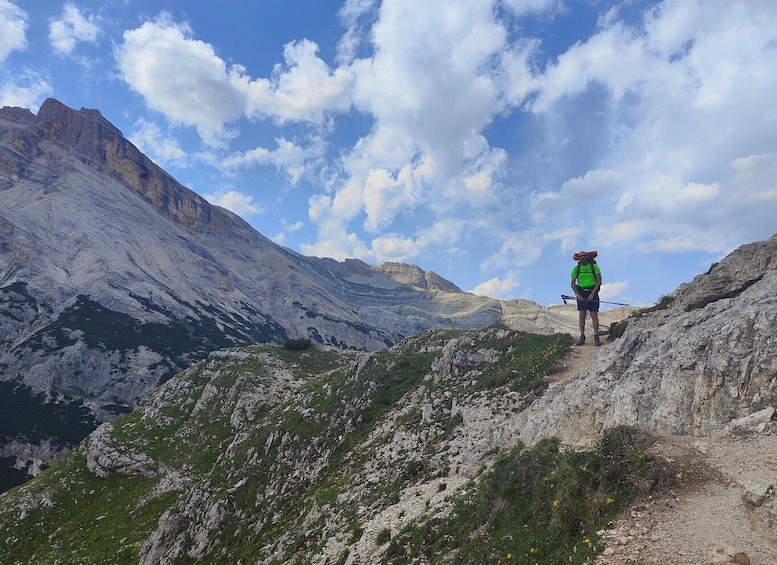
483	138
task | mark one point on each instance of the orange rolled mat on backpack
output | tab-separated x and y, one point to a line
580	254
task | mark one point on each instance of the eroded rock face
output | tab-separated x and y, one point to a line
742	269
707	359
104	146
105	456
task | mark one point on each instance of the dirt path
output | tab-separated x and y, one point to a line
578	359
716	515
723	509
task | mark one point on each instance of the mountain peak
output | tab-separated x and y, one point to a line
100	144
58	121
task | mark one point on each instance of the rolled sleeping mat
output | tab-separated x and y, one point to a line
580	254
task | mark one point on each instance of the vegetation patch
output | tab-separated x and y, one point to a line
297	344
664	303
305	363
24	414
29	417
17	304
538	506
107	330
525	359
9	475
533	359
71	516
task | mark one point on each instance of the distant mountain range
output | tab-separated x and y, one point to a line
114	277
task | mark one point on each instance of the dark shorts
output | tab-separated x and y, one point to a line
586	304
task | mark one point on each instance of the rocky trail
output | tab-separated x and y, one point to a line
722	509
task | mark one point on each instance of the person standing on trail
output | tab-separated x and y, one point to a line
586	282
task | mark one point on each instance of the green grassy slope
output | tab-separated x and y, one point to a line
262	454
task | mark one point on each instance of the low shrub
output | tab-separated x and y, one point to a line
383	537
297	344
663	303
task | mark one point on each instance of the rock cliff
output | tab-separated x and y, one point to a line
707	355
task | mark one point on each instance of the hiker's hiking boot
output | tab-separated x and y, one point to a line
581	341
597	341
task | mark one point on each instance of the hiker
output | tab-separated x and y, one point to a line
586	282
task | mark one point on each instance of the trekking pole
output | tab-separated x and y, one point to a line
564	297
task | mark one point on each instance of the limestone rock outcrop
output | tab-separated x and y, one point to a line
707	358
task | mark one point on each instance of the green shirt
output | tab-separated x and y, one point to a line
586	275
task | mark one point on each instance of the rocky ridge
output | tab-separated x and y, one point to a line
318	456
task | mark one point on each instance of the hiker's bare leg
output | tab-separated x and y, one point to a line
581	321
595	322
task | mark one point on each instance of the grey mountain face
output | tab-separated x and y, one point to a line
128	276
114	277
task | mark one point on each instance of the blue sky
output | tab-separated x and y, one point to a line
485	140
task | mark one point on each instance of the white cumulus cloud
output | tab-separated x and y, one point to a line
72	27
185	80
497	287
25	91
13	28
673	162
432	85
163	149
240	203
